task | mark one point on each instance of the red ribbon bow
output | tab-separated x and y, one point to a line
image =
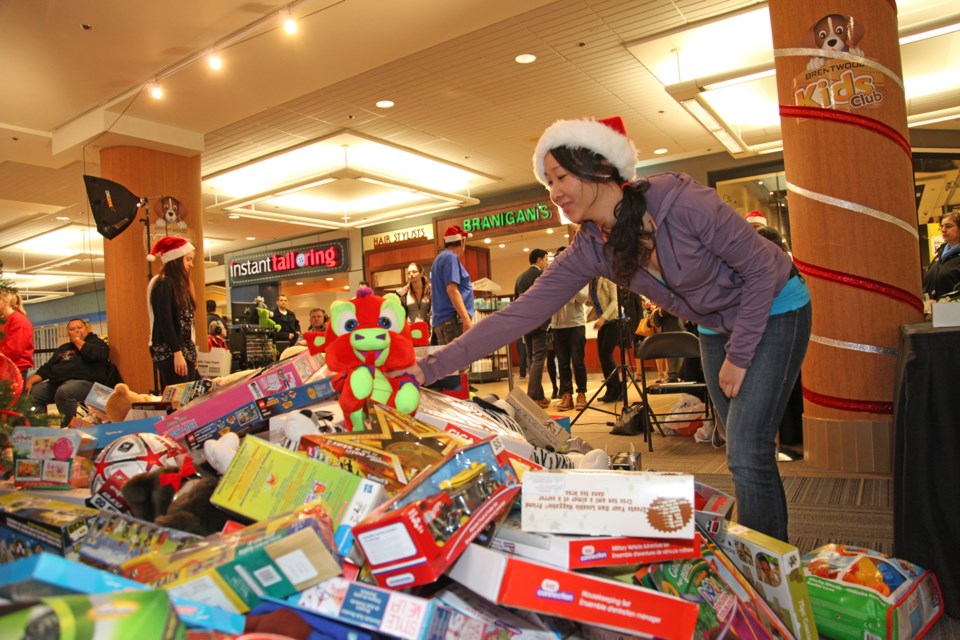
176	479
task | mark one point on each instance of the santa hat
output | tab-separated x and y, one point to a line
454	234
170	248
755	217
607	137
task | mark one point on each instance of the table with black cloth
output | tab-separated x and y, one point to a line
926	473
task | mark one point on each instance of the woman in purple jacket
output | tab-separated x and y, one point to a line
676	242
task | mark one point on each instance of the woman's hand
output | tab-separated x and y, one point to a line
179	363
414	371
731	377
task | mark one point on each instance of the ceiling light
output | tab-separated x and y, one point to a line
526	58
299	284
925	32
346	287
156	91
215	61
384	104
329	279
502	246
250	238
233	216
549	231
526	249
289	24
711	123
62	218
487	241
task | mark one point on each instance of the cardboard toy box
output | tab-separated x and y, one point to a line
43	456
533	586
538	428
584	552
145	615
461	599
115	538
455	415
104	434
392	450
277	558
860	593
265	480
392	613
620	503
234	407
45	575
32	524
773	568
714	508
417	534
296	398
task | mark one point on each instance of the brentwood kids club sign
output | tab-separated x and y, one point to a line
294	262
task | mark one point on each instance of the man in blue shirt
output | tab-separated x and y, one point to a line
452	290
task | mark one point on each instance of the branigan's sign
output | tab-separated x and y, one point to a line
295	262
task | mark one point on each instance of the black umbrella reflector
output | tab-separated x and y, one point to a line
112	204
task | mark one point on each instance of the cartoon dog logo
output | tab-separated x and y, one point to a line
834	32
172	212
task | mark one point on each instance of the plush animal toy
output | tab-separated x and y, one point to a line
118	403
366	337
264	315
177	498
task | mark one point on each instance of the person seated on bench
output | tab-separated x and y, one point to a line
66	378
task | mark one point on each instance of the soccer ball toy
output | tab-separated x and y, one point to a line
126	457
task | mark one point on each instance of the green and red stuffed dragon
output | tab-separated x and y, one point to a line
366	337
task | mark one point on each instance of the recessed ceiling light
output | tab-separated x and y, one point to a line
526	249
299	284
250	238
62	218
156	91
289	24
384	104
485	240
215	62
660	152
526	58
329	279
346	287
549	231
233	216
502	246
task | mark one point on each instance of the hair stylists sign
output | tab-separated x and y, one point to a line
294	262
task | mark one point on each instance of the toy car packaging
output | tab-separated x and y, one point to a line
860	593
412	538
32	524
115	538
392	450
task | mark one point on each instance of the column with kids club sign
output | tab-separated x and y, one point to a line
853	218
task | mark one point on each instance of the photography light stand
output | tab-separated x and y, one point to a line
622	372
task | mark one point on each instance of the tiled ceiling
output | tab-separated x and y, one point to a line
447	64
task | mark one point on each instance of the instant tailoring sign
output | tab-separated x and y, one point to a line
378	240
295	262
509	220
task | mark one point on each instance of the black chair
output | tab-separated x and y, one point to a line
671	344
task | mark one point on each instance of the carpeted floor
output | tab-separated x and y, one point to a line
824	506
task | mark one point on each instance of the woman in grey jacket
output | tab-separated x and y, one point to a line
676	242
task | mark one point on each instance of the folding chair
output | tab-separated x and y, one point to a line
672	344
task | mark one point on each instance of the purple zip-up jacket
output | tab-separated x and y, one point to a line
718	272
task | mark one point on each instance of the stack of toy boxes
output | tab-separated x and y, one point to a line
43	456
234	407
265	480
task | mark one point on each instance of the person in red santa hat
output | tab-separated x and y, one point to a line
171	305
452	304
679	244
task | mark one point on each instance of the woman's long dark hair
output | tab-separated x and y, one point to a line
623	245
182	286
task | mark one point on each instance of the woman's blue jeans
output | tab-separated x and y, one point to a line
752	419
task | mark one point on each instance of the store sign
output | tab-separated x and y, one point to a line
376	241
295	262
506	220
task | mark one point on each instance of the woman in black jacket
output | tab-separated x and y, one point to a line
943	275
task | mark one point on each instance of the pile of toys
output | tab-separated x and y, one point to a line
321	497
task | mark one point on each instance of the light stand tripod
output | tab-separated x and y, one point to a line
622	373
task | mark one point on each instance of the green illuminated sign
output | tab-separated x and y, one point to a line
500	219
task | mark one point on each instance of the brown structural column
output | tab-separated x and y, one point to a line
853	217
148	174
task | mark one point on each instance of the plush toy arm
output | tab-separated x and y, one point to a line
316	341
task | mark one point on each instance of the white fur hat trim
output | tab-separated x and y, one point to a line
587	134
